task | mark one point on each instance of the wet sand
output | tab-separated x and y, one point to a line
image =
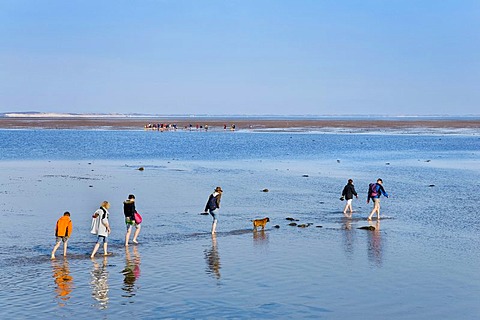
116	123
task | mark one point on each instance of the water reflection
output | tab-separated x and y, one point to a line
131	271
63	281
213	259
348	237
375	250
260	237
99	283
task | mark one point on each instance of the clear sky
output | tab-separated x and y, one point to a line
254	57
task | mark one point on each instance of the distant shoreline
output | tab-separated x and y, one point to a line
246	123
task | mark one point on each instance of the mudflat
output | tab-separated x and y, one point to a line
240	123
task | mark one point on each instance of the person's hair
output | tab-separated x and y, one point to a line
105	204
350	181
66	213
379	180
131	196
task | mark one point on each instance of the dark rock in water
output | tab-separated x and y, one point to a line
141	169
388	163
319	226
290	219
303	225
338	161
204	213
90	186
432	185
265	190
293	224
305	176
371	228
428	160
321	202
276	226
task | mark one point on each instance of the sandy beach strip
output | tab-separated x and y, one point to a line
116	123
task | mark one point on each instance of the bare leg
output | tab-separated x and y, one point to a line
127	236
135	235
105	252
55	249
345	210
95	249
65	245
214	226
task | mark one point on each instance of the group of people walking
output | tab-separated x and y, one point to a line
101	226
375	190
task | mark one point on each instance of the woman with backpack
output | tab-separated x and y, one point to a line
375	190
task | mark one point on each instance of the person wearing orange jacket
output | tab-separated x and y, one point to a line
63	231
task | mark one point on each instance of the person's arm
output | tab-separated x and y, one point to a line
105	221
70	228
206	205
344	190
218	200
354	192
382	190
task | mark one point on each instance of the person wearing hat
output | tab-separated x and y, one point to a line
213	205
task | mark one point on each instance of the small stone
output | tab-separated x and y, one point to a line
293	224
265	190
432	185
302	225
338	161
388	163
290	219
319	226
305	176
276	226
141	169
428	160
90	186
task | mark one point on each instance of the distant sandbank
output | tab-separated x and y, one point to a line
216	123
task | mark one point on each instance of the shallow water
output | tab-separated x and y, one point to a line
421	262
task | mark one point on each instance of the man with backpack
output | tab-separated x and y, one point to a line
375	190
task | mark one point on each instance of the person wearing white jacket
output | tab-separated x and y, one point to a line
101	227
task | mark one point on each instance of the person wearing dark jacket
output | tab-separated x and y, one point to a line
348	193
129	212
213	206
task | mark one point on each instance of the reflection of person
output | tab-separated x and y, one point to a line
348	192
213	258
63	280
101	227
63	230
100	283
213	206
131	271
375	243
375	190
129	212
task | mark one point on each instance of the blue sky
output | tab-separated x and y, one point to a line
392	57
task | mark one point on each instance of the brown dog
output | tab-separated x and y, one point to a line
260	223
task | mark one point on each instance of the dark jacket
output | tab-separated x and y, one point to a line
129	209
349	191
213	201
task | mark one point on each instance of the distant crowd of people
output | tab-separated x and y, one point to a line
174	127
101	226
